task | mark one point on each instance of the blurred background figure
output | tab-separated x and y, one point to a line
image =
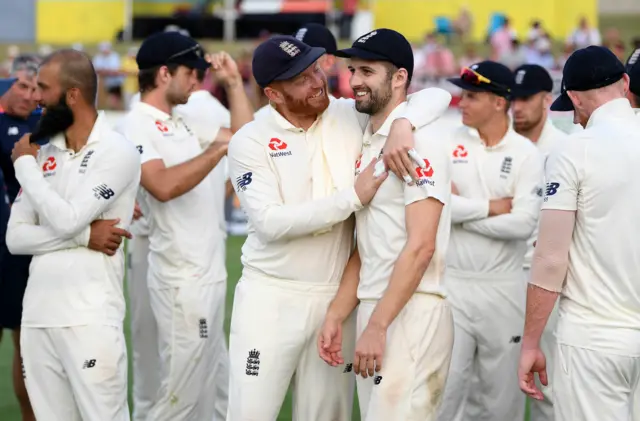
129	69
108	68
584	35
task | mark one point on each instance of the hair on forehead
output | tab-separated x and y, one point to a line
75	71
28	63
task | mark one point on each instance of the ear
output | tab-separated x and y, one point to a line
73	96
501	103
547	101
577	103
400	78
274	95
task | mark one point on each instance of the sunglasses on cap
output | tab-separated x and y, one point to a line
196	49
475	78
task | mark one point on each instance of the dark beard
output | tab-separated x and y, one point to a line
55	119
377	102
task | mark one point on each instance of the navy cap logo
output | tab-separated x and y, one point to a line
367	37
301	33
634	57
289	48
520	76
474	67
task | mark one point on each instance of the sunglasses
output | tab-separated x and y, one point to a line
196	49
475	78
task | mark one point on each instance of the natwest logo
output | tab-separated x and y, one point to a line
49	166
279	147
424	174
460	152
162	127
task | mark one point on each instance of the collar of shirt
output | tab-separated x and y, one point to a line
386	126
613	110
60	142
285	124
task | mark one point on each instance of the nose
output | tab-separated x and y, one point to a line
36	95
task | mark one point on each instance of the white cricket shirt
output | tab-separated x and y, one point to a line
380	227
62	193
297	187
184	233
512	168
548	140
592	173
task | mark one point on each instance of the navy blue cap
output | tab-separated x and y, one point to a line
501	78
633	70
382	45
316	35
282	57
6	84
530	79
588	68
171	47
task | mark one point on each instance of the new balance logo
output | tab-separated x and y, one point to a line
253	363
102	191
89	364
515	340
244	180
348	368
377	379
139	148
204	332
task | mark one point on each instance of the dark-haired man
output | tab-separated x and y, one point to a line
186	277
72	339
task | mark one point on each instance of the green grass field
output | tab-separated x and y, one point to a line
9	410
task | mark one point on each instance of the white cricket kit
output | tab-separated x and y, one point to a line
420	339
72	342
484	279
597	366
186	274
542	410
297	189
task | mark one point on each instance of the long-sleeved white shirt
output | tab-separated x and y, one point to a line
549	139
184	233
381	227
512	168
591	174
297	187
62	193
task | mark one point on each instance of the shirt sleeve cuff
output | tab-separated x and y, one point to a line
82	239
354	200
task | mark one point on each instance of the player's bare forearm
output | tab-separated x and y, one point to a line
346	298
540	303
405	278
239	104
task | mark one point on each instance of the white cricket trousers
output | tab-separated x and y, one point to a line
415	363
191	344
543	410
76	373
488	315
594	386
274	329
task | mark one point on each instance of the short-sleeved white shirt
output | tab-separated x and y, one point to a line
592	174
380	227
184	243
63	192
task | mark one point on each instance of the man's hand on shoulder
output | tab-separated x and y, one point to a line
106	237
367	183
399	154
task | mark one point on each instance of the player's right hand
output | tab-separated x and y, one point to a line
367	183
532	361
330	342
500	206
220	146
106	237
137	212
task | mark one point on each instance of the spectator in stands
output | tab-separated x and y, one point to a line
469	57
349	8
13	51
463	23
502	40
584	36
129	69
538	51
568	50
515	56
535	31
107	65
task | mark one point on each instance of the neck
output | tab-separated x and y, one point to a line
156	99
4	103
298	120
493	131
534	133
378	119
78	134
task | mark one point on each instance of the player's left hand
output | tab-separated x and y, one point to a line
370	351
399	154
330	342
137	212
24	147
224	68
532	361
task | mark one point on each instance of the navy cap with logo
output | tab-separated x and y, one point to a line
316	35
171	47
633	70
530	79
282	57
586	69
383	45
486	76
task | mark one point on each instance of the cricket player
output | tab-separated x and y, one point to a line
18	115
186	276
404	324
72	340
497	182
530	105
597	362
633	70
294	174
315	35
